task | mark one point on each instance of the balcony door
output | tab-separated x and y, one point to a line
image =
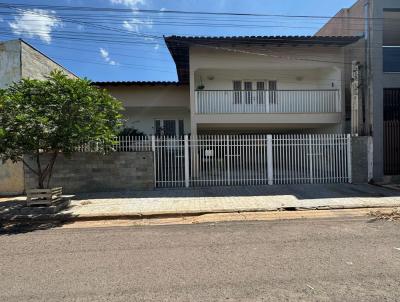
253	92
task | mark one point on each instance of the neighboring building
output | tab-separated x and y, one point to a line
379	55
239	85
19	60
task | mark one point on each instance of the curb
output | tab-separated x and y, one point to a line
65	217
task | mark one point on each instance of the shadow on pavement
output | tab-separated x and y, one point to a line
300	191
13	222
14	228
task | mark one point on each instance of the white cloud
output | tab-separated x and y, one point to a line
106	56
35	22
104	53
136	24
157	47
130	3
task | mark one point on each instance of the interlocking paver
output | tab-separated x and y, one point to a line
230	199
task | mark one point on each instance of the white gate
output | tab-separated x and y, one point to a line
219	160
224	160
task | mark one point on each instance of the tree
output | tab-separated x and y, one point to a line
53	116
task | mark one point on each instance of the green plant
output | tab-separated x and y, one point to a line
56	115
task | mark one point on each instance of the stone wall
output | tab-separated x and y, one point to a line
92	172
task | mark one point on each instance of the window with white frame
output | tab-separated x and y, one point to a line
166	127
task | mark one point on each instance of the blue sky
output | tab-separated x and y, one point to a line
124	44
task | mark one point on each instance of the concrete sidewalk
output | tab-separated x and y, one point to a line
217	200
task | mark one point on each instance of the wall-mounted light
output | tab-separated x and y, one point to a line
210	77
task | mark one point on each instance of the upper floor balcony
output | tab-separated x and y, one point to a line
267	101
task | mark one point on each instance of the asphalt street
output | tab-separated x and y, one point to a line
297	260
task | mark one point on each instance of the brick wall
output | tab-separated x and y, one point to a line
92	172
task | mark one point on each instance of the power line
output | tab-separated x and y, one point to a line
108	9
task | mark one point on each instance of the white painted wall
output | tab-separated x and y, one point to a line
151	96
144	104
142	118
326	78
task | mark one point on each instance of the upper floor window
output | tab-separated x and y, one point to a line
391	58
391	41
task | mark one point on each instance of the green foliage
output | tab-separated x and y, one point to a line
55	115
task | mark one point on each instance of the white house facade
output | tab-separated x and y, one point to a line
243	85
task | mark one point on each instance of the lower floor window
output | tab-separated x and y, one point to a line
168	127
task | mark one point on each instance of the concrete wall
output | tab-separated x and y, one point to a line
344	23
10	62
11	178
360	159
92	172
36	65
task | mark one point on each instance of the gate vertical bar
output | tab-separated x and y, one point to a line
349	158
270	168
310	149
228	160
186	157
153	148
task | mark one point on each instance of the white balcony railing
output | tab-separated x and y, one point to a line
267	101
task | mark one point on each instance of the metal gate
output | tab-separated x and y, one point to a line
220	160
391	131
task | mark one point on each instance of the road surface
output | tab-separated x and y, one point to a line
309	260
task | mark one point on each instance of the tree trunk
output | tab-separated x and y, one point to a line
39	171
50	167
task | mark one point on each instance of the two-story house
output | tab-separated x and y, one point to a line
243	85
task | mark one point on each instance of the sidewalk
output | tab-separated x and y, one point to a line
193	201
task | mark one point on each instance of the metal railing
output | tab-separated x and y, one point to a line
267	101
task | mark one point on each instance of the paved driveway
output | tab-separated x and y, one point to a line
233	199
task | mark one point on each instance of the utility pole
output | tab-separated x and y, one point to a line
357	108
